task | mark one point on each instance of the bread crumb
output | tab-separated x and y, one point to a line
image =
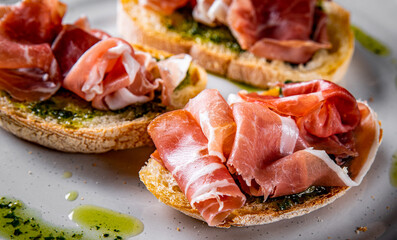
361	229
329	237
178	229
30	152
94	164
387	207
82	198
125	182
373	197
371	99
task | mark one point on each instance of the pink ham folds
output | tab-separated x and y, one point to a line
259	141
38	55
284	30
290	31
215	117
108	75
28	68
166	7
203	178
325	114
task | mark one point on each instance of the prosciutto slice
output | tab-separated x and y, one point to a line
33	21
262	137
108	75
279	29
166	7
70	45
28	68
203	178
324	112
215	117
300	170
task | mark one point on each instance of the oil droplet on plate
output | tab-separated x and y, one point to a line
67	174
71	196
393	171
111	224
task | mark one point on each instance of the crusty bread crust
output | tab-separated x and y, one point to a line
163	186
143	26
103	133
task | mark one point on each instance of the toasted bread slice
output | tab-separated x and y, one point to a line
143	26
160	182
67	123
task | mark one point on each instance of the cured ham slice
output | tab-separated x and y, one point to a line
83	23
28	69
166	7
215	117
324	112
70	45
203	178
108	73
262	137
296	172
33	21
279	30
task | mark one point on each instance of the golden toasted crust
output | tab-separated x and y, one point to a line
101	134
143	26
163	186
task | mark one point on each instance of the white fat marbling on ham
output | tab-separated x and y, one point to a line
342	175
208	169
289	135
210	12
203	178
123	98
209	191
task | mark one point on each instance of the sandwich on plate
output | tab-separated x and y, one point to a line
261	43
73	88
261	157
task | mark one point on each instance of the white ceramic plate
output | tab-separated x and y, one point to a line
33	174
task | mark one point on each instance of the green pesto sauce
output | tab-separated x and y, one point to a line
183	23
72	112
19	222
370	43
287	202
71	196
393	171
113	225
